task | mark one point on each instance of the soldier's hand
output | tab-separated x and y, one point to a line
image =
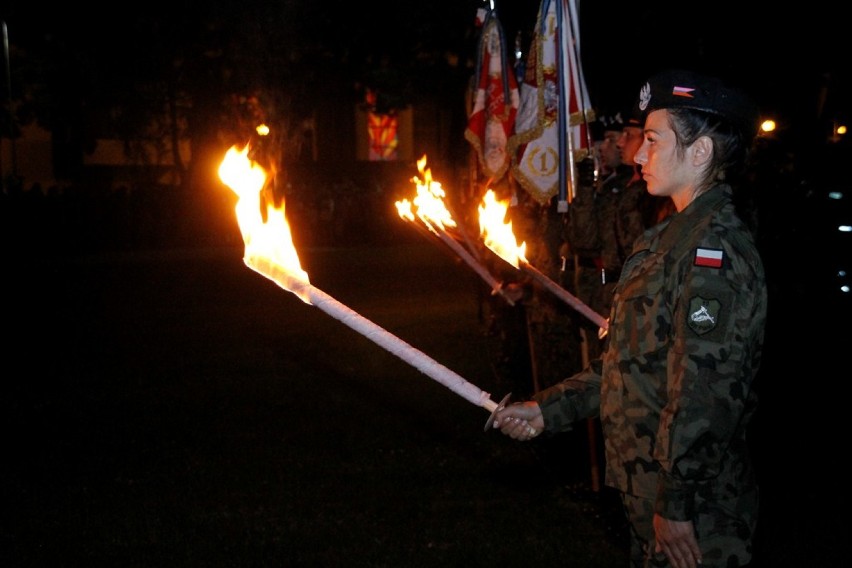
520	421
676	539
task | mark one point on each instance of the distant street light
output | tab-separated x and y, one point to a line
837	132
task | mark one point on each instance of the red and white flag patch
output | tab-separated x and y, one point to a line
709	257
683	92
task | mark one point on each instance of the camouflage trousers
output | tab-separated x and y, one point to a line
725	531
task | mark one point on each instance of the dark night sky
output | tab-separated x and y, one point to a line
784	56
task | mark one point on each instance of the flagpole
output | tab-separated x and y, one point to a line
564	122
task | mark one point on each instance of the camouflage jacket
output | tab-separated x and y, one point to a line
605	223
673	387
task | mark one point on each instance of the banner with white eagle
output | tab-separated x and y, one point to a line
551	128
495	101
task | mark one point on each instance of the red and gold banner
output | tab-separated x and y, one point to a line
495	102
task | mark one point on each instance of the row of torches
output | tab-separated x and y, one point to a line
269	251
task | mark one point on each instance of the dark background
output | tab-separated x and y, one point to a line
791	59
163	405
175	408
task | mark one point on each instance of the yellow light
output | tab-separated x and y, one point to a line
768	125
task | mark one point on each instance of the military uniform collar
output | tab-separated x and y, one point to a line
701	207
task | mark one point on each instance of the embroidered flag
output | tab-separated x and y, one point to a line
709	257
683	92
553	81
495	101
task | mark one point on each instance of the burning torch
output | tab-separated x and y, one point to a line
270	252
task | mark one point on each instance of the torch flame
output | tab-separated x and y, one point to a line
496	233
403	207
429	202
269	245
270	252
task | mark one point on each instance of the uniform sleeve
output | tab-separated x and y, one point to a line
573	399
718	310
630	220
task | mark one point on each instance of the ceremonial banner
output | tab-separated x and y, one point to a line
495	101
551	130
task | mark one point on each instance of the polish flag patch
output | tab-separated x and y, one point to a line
683	92
709	257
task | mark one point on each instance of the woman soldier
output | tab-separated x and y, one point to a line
673	386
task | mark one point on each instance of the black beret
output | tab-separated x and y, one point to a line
612	121
636	120
604	123
686	89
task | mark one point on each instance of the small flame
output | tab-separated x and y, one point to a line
269	245
403	207
496	233
429	202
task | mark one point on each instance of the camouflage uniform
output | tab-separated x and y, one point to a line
673	387
552	324
604	225
539	342
591	231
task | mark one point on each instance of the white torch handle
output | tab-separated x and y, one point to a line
566	296
373	332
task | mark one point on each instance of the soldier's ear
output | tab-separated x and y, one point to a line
702	151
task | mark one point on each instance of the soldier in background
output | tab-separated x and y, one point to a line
608	214
553	326
590	212
538	338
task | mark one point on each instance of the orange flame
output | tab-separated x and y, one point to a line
497	233
429	201
268	243
270	252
